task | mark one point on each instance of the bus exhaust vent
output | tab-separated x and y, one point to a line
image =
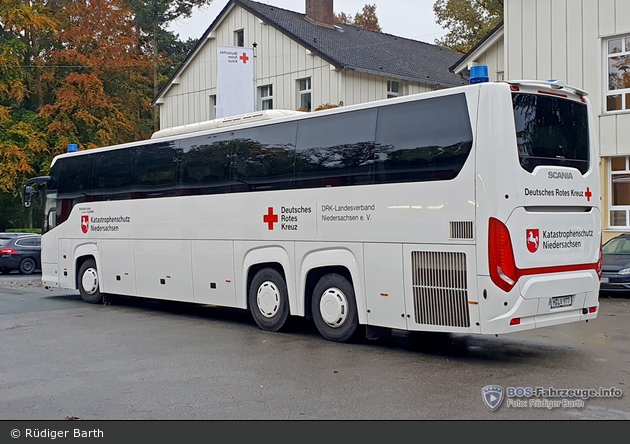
461	230
440	292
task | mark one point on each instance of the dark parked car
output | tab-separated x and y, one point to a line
20	251
616	265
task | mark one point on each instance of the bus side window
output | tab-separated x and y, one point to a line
205	164
336	150
423	140
75	183
155	170
263	158
112	175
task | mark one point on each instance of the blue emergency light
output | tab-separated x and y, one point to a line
73	147
479	74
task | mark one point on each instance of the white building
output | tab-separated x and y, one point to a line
303	61
585	43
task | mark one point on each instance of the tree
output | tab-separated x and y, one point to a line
152	16
366	19
467	21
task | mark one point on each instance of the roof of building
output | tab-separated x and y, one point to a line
352	48
494	31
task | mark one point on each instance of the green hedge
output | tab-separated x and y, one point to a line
25	230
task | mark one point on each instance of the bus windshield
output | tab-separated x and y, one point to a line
551	131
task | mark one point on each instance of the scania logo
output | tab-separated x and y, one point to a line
559	175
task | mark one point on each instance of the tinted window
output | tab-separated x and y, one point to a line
112	174
205	164
336	150
75	176
551	131
26	242
425	140
262	158
155	170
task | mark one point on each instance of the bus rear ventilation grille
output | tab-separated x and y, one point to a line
461	230
440	290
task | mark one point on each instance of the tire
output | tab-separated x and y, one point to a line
334	308
88	282
268	300
27	266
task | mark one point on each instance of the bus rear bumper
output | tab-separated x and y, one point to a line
520	313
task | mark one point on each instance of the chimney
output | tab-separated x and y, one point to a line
320	12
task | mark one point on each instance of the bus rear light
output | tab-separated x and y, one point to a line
503	269
564	96
8	251
514	88
515	321
592	309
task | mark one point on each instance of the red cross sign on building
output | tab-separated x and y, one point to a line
270	218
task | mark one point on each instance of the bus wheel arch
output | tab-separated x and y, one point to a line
267	296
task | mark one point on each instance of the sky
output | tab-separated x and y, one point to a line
413	19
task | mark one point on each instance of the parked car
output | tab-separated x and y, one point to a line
616	265
20	251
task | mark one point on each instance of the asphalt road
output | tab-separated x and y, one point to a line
143	359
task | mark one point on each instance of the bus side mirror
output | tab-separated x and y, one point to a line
28	193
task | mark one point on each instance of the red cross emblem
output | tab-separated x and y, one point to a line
244	58
588	194
270	218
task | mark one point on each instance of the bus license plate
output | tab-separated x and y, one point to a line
561	301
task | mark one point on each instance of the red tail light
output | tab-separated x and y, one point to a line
503	271
8	251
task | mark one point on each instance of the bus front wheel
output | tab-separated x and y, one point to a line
334	308
88	282
268	299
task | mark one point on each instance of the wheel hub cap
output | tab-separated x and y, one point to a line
334	307
90	281
268	299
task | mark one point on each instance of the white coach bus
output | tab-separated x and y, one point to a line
470	210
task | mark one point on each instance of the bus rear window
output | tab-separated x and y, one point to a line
551	131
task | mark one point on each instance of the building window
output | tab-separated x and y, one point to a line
500	76
619	200
213	107
392	89
304	97
618	69
239	38
265	93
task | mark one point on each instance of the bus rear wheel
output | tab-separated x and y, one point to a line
268	299
334	308
88	282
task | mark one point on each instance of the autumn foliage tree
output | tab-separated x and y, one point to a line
366	19
101	77
467	21
71	71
